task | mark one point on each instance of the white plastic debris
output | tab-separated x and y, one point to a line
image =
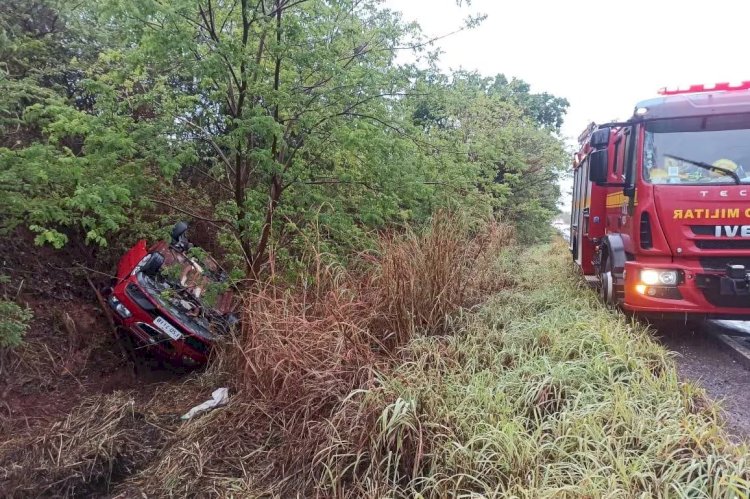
219	397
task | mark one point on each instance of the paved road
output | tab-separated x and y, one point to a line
702	358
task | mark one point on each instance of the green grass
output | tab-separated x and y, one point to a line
542	393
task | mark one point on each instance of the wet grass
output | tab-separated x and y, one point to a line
395	380
544	393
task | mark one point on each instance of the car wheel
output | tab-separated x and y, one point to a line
154	264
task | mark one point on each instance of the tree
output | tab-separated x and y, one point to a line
271	120
288	94
506	159
544	109
71	161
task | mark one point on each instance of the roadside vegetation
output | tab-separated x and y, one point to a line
393	377
407	328
266	125
266	122
14	322
542	393
271	127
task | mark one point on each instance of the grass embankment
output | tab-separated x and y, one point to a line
542	393
378	381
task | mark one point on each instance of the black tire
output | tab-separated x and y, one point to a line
606	283
154	264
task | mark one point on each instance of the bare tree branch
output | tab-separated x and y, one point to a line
207	137
216	222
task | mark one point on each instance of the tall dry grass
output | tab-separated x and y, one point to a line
422	279
546	393
103	440
310	345
304	349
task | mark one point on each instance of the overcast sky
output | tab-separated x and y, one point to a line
602	56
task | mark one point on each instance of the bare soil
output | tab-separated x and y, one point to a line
703	359
69	350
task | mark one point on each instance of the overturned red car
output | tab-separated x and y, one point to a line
172	299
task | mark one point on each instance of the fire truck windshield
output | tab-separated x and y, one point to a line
682	150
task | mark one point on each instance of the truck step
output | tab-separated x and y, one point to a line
591	280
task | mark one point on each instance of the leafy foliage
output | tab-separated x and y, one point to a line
73	156
275	122
494	141
14	321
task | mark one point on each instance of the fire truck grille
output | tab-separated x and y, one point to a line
712	292
719	263
727	244
702	230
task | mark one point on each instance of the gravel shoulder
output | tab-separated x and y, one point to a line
703	359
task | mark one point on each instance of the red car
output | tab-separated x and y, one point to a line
172	299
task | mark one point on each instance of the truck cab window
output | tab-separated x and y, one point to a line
700	150
616	161
628	155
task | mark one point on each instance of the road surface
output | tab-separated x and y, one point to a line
724	373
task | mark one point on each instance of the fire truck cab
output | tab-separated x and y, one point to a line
661	205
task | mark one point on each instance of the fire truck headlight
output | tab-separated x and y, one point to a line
654	277
668	278
650	277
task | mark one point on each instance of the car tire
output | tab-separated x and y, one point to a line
154	264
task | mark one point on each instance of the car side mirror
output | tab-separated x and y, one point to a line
600	138
598	164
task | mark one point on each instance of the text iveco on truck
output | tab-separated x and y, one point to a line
661	205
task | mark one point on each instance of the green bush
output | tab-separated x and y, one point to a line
14	321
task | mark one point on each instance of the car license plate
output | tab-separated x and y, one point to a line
168	328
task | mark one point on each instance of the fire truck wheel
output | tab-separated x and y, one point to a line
606	283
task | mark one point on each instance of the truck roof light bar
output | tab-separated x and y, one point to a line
696	89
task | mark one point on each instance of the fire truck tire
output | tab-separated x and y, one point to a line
613	260
606	283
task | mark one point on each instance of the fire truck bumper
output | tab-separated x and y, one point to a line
718	295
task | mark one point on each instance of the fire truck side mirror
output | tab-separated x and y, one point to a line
598	164
600	138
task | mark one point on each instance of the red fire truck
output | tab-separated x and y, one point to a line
661	205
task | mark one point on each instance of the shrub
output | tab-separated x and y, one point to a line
14	321
304	350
